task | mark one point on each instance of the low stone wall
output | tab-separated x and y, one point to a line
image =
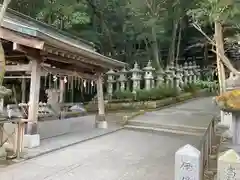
113	106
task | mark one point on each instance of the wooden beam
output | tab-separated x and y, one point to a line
64	72
78	56
67	60
23	40
17	77
18	68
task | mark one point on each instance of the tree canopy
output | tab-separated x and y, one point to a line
157	30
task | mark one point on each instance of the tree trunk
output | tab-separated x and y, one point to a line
179	41
220	49
155	49
171	53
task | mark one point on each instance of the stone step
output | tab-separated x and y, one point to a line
170	127
152	129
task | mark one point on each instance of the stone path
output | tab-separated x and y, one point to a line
193	116
123	155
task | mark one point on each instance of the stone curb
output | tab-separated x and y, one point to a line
71	144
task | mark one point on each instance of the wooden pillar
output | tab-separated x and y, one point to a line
34	97
62	90
100	118
23	88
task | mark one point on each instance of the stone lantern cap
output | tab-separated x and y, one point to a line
136	69
149	67
123	71
122	75
111	72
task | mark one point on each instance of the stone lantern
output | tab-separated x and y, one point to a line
178	78
172	74
168	77
160	78
149	79
123	79
198	73
136	77
194	70
110	81
190	72
185	74
181	71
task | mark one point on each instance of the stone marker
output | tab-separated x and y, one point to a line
188	163
228	166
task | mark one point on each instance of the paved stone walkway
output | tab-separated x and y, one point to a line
124	155
195	113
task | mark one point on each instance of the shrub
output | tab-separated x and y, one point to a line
156	93
123	95
166	91
192	88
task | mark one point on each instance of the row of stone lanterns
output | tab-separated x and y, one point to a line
174	76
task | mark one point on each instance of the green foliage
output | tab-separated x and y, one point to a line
123	95
192	88
212	86
146	95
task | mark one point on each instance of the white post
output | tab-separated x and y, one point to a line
188	163
32	139
228	166
100	118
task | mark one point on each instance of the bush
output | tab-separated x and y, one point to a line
212	86
147	95
192	88
156	93
123	95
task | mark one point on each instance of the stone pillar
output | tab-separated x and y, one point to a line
32	138
100	117
148	76
188	163
228	166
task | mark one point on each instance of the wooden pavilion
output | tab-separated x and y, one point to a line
33	48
